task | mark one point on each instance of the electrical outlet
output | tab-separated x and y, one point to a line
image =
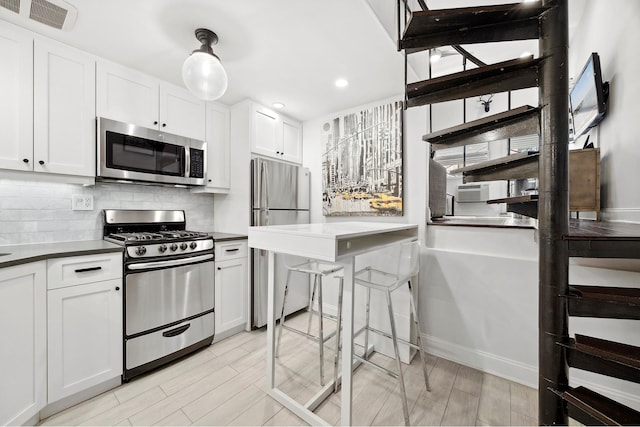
81	202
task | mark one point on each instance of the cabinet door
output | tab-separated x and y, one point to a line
16	98
265	134
64	110
218	150
23	353
181	113
291	141
231	296
85	337
126	95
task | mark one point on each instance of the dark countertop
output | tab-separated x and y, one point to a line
486	222
22	254
222	237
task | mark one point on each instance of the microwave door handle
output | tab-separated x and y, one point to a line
187	162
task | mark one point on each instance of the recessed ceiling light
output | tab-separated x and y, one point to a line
342	82
278	105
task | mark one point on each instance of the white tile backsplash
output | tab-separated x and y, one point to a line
39	212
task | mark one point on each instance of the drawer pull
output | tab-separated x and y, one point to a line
84	270
176	331
232	250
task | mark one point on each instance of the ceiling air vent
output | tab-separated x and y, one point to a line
12	5
54	13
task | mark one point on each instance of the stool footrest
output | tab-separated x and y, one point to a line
313	337
386	335
375	365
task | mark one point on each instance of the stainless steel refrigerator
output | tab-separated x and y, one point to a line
279	195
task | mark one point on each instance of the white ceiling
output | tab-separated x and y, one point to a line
288	51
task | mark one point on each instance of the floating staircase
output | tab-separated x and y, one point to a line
559	238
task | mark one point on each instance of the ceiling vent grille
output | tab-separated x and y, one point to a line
12	5
57	14
48	13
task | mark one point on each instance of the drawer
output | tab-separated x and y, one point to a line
77	270
231	250
149	347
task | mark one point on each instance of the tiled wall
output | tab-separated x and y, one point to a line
35	212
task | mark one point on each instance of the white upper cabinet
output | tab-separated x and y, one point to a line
275	135
218	150
47	107
16	99
132	97
181	113
64	110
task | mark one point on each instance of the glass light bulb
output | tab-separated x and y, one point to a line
204	76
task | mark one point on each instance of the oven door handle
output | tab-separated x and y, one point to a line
170	263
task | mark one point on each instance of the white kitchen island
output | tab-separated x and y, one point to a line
332	242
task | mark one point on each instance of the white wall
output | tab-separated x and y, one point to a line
39	211
612	31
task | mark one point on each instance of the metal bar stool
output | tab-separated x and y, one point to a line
387	282
318	270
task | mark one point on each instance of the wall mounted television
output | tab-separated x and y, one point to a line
588	97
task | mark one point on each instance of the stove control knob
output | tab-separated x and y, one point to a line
162	248
174	247
183	246
193	245
141	250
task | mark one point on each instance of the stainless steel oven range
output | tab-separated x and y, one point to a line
168	286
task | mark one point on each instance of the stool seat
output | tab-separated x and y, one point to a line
316	267
318	270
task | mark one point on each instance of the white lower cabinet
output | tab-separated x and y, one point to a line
85	337
23	353
84	305
231	290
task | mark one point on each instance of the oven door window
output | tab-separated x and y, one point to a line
135	154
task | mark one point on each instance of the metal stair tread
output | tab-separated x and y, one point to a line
506	161
433	28
588	407
519	121
604	302
514	74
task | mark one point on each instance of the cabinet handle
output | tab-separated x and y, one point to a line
164	125
219	268
277	152
41	162
155	123
117	288
282	154
25	160
84	270
232	250
176	331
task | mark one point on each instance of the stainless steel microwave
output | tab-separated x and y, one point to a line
128	152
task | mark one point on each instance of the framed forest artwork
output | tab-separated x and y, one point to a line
362	162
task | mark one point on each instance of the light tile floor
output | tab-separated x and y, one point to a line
224	385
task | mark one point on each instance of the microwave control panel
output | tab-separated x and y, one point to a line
197	163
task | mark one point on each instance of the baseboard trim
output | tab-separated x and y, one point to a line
515	371
621	214
493	364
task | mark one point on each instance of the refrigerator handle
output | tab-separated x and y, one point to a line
265	183
264	201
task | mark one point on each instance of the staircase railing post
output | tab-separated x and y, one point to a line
553	211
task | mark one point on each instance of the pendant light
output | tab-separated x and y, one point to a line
202	72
